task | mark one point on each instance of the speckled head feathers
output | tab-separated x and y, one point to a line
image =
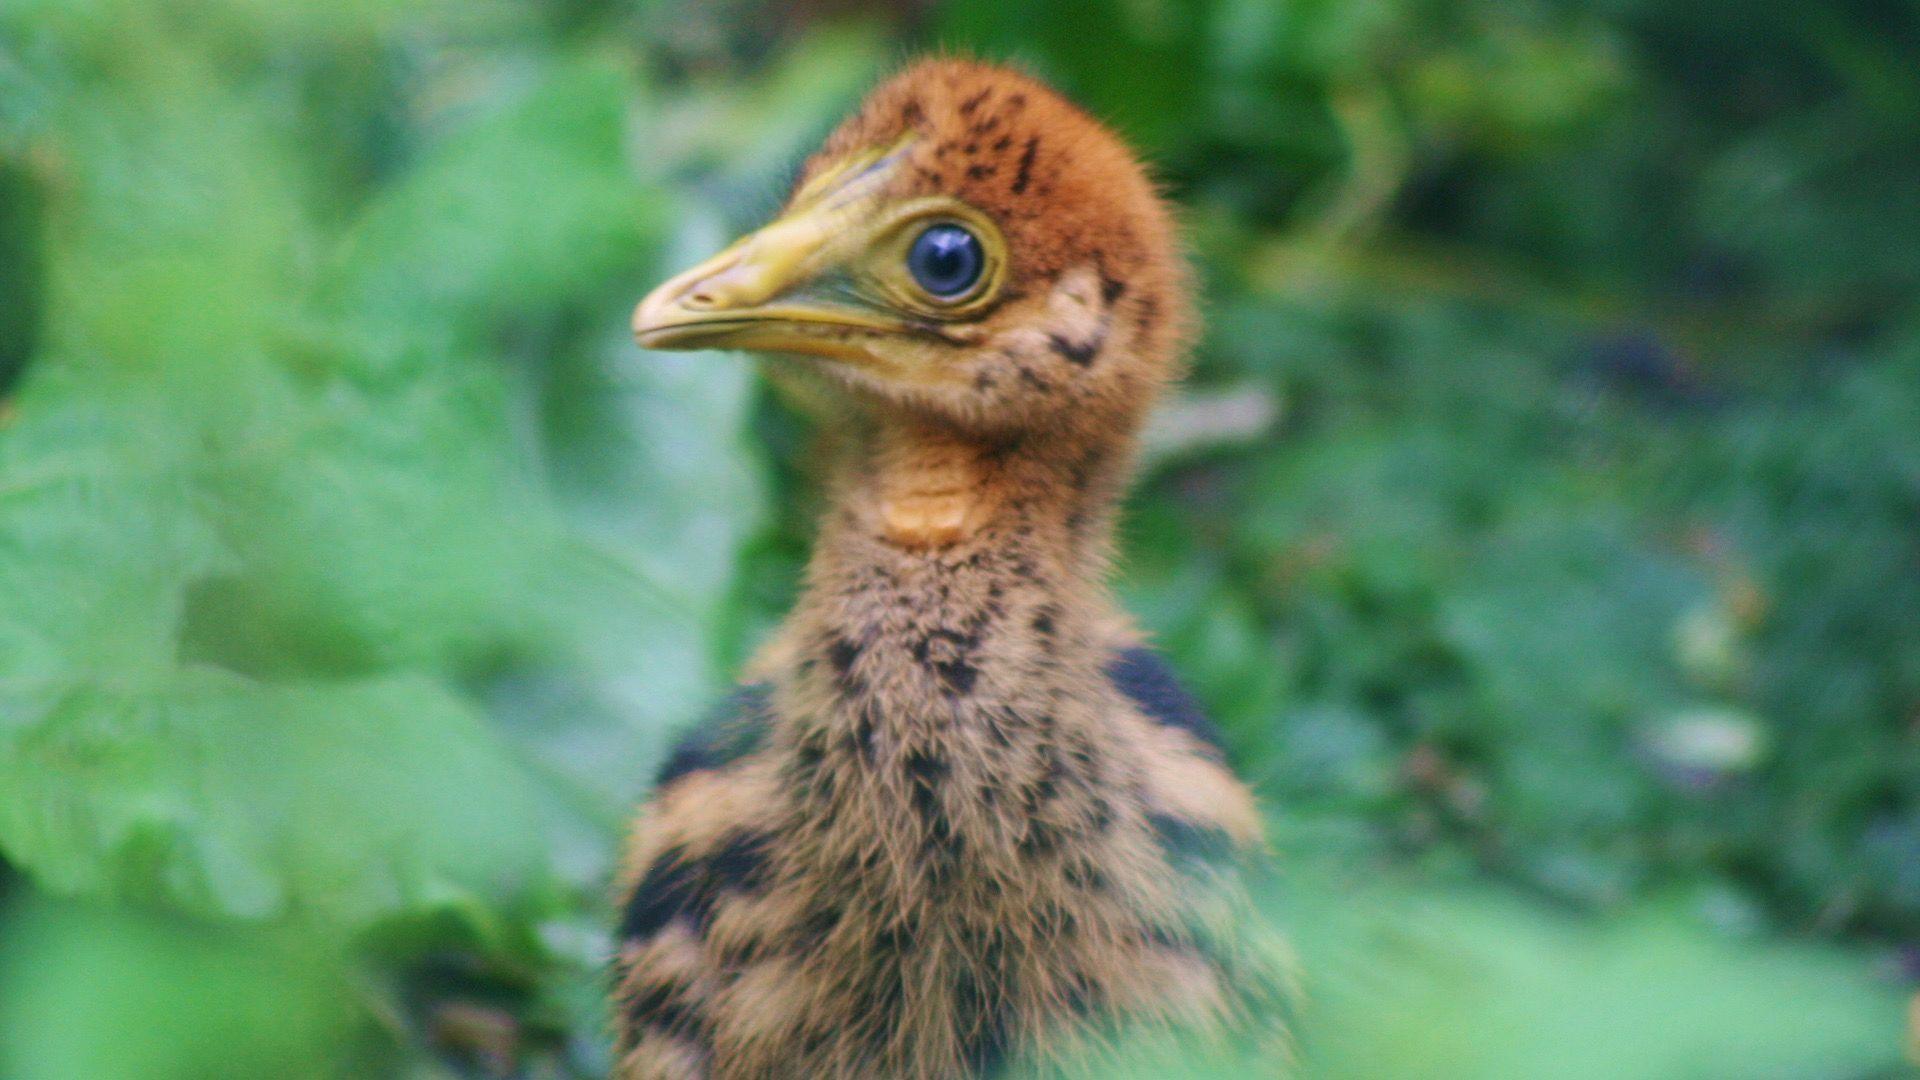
1066	190
1077	307
1075	204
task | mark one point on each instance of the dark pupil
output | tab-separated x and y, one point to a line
946	260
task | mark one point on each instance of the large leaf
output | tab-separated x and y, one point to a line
1474	985
225	796
88	992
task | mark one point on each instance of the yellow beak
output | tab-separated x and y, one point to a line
785	288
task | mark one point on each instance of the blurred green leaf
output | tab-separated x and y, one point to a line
88	993
1473	985
226	797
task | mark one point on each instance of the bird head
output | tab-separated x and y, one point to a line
968	247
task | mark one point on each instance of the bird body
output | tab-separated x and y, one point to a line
958	816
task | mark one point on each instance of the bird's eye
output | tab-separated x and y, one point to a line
946	260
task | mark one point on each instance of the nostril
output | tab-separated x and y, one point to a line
701	299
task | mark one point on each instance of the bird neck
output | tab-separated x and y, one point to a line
927	489
953	621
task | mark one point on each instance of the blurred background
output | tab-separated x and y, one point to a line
1541	521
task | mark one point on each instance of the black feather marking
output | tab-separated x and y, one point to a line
818	924
1151	685
959	676
664	1008
1042	837
679	887
1048	786
670	888
982	1015
982	1027
741	861
734	730
1078	352
1041	840
1025	174
949	653
926	768
1083	874
1043	621
841	654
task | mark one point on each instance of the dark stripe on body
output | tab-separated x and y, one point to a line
731	732
1144	677
678	887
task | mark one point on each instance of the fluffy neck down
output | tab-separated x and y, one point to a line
975	819
944	665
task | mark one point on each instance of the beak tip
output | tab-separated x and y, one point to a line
650	317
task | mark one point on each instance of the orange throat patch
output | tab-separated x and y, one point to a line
936	495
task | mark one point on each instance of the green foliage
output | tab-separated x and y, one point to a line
1540	521
88	993
215	793
1467	985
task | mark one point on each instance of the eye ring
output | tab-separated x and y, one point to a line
947	261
